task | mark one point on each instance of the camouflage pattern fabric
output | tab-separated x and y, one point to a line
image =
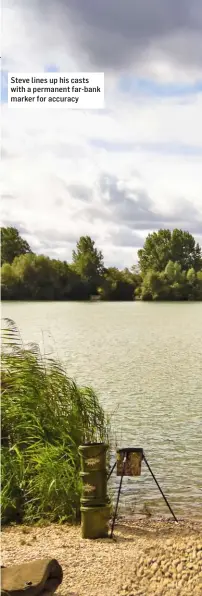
34	578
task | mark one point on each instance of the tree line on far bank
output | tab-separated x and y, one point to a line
169	268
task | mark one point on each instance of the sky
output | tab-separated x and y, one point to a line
115	174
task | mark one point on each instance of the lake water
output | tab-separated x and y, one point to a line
145	362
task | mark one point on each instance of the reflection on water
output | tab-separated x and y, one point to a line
145	361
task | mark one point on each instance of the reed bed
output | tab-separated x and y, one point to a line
45	417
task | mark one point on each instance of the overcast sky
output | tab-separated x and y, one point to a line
119	173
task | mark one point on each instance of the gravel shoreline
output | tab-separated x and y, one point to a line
146	557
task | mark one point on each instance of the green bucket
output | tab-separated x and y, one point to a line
94	485
93	456
95	522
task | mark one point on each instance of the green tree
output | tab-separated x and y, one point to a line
109	285
191	276
170	268
36	275
193	285
12	245
199	285
164	246
88	262
176	281
156	251
10	287
42	278
153	286
172	271
118	285
185	250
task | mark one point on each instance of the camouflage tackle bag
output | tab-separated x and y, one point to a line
33	578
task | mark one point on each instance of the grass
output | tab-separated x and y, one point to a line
45	417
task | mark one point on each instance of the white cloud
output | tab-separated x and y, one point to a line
48	152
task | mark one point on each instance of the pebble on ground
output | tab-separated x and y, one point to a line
146	558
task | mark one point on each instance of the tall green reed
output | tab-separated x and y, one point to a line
45	417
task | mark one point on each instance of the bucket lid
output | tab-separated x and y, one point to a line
87	446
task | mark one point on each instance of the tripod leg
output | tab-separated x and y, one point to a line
112	469
118	496
156	481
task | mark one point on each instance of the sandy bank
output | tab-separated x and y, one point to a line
146	558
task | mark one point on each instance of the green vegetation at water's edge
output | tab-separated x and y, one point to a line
169	268
45	417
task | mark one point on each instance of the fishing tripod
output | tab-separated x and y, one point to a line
125	453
